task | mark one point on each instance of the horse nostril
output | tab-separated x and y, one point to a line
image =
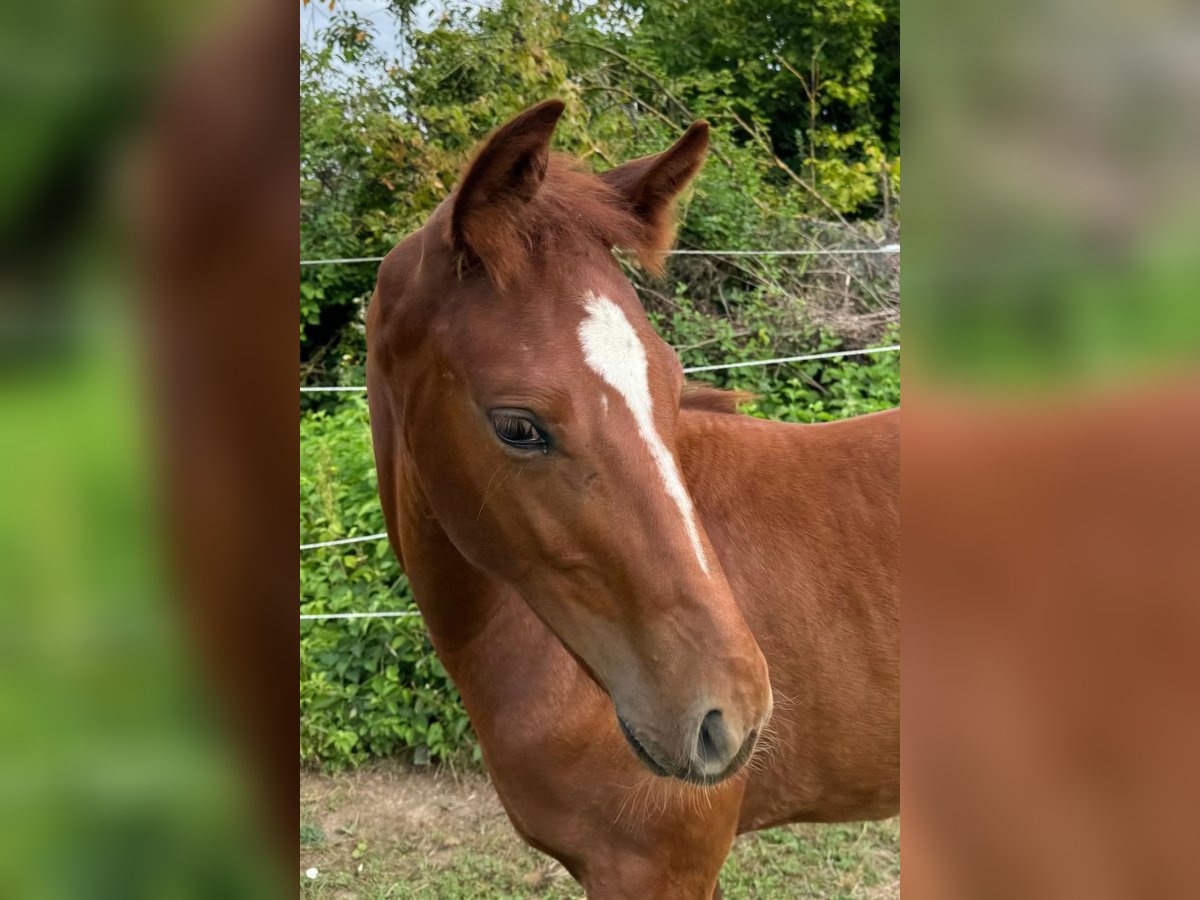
713	743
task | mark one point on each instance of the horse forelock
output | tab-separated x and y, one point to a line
572	211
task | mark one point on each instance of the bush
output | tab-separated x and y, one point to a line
802	97
368	687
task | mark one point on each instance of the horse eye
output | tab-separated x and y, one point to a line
518	431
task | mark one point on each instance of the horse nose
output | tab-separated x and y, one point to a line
717	744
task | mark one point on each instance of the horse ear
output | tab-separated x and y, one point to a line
650	185
504	176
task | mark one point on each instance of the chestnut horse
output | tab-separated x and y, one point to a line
610	561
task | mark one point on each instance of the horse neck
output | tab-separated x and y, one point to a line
464	608
456	599
498	652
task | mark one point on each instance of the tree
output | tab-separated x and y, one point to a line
802	97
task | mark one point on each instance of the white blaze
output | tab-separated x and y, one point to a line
613	351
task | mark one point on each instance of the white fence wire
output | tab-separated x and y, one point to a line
834	354
361	615
340	541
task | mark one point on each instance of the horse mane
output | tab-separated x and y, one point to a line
704	397
571	207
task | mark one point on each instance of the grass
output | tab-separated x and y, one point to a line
835	861
388	832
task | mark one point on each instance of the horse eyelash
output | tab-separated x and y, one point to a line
503	424
510	423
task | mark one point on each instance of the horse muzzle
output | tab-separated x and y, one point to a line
715	751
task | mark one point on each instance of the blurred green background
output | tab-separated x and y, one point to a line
1054	217
117	779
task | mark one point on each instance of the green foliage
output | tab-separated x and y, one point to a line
755	326
803	98
800	74
311	835
368	687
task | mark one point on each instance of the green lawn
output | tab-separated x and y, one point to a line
388	832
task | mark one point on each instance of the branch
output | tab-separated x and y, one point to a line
786	168
745	332
638	101
804	84
633	65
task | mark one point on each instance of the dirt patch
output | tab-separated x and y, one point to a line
401	803
426	812
392	831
